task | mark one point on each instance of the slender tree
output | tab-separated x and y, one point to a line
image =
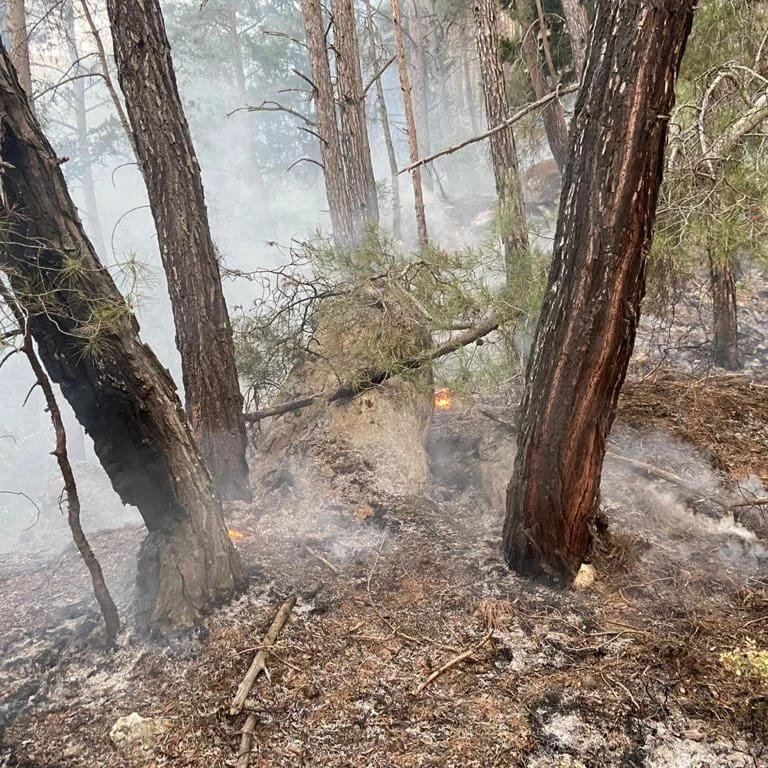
503	151
88	340
586	331
577	21
419	80
18	39
410	122
172	175
352	119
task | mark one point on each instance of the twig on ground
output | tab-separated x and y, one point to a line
321	559
453	662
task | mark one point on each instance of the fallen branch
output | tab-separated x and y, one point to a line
320	558
375	377
259	660
662	474
246	742
519	115
453	662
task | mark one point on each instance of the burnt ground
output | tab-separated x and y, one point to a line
627	673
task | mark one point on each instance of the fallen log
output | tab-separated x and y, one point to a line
259	660
373	378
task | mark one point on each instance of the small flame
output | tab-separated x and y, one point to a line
235	535
443	399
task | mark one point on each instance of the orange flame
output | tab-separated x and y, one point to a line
443	400
235	535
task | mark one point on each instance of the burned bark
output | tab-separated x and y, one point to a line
553	114
88	341
352	120
725	324
503	151
587	327
174	185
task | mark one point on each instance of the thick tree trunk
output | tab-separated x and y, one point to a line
354	129
18	39
503	151
88	340
346	233
586	331
168	162
725	326
410	122
386	129
577	21
553	114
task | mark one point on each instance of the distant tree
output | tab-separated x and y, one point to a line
88	340
586	330
174	185
577	21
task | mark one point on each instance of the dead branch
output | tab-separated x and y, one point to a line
276	106
384	67
519	115
373	378
246	742
259	660
103	597
321	559
453	662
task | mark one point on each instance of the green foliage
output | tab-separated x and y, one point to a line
749	662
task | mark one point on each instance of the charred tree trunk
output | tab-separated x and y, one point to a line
386	129
503	151
410	121
553	114
725	326
354	129
88	341
587	327
169	165
345	232
18	39
577	21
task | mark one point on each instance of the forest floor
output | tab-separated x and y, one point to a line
629	672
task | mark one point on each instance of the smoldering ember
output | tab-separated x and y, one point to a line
384	383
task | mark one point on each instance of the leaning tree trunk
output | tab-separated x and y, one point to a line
503	152
18	43
346	233
725	326
169	165
410	123
553	114
577	21
88	340
586	331
354	128
386	129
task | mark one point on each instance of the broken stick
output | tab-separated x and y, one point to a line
259	660
246	742
453	662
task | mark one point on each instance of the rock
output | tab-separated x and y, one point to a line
134	728
585	578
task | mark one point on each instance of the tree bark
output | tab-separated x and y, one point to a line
346	234
354	128
553	114
18	38
725	326
419	91
503	151
577	21
386	129
470	93
174	185
410	122
88	341
587	327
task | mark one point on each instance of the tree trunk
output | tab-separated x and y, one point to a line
470	94
725	327
553	114
345	232
169	165
18	39
587	327
354	128
503	151
386	129
577	21
88	340
419	91
410	122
